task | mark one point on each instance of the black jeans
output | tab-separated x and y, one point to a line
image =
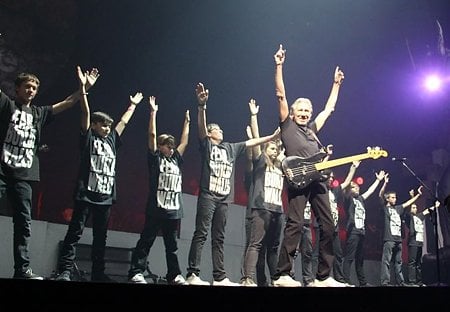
209	213
414	264
100	218
317	195
392	252
261	278
265	230
152	226
354	252
19	194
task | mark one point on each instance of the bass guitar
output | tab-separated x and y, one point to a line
300	171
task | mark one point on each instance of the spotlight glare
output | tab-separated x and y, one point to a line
433	83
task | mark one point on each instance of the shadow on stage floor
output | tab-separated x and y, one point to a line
50	295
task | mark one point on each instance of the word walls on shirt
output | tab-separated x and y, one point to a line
169	185
221	171
102	169
19	141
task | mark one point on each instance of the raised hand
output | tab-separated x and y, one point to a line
91	77
152	102
419	190
202	94
280	55
381	175
338	75
81	76
137	98
254	108
329	149
276	134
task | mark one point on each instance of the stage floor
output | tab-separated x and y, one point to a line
50	295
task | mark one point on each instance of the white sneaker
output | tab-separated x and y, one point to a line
225	282
178	280
349	285
286	281
329	282
195	280
248	282
138	279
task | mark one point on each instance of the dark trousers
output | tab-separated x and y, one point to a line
209	213
317	195
80	215
265	229
306	253
354	252
338	263
261	278
19	194
392	252
169	228
415	264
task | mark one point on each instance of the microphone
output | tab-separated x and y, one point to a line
399	158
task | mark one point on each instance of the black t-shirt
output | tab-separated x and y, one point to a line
267	186
165	197
415	226
299	140
335	194
218	168
20	131
96	181
356	215
393	223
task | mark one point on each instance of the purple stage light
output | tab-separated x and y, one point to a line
433	83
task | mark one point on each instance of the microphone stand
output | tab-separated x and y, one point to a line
434	220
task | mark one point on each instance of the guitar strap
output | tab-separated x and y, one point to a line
317	139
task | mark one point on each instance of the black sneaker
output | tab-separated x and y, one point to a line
102	278
28	274
63	276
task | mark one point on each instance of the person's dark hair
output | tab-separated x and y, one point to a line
25	77
101	117
211	126
166	139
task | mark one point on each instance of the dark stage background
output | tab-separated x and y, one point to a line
164	48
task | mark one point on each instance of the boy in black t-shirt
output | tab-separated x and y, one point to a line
165	200
216	192
414	221
95	191
21	125
392	237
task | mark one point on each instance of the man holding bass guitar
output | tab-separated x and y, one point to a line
298	134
